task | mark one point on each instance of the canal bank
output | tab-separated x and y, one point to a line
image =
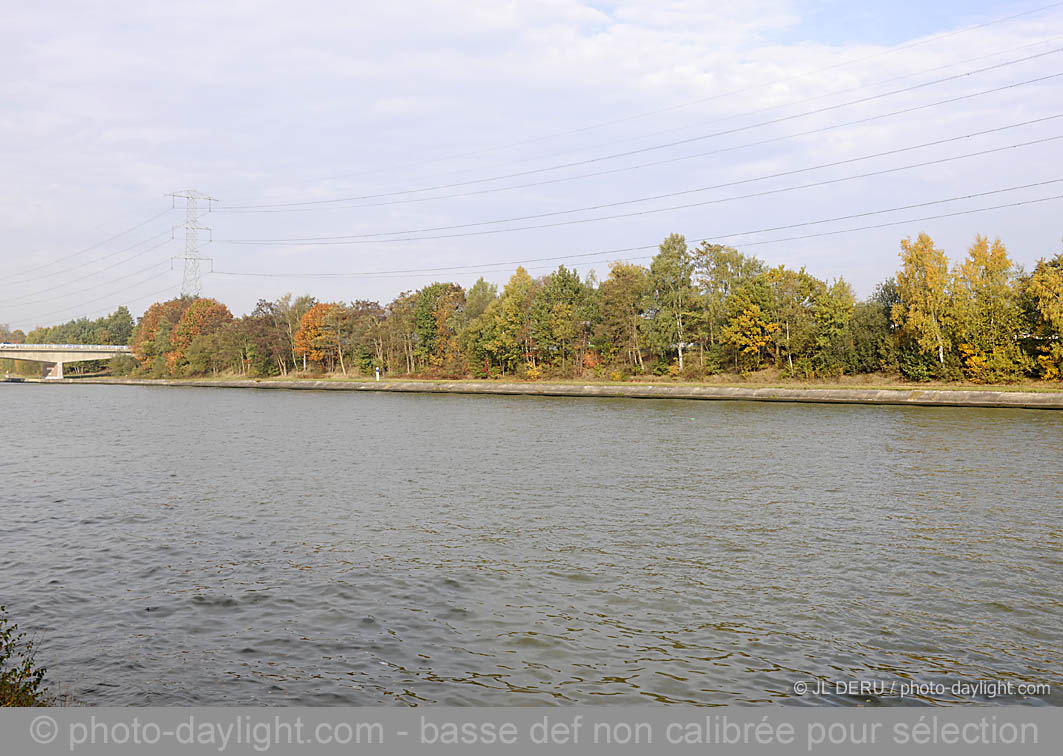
916	397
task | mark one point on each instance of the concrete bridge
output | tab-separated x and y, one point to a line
52	356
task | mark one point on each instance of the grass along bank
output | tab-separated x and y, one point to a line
769	378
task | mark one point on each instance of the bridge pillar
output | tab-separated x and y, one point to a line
51	370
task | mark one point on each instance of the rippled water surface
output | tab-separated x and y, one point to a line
178	546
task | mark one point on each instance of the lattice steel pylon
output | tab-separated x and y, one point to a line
191	283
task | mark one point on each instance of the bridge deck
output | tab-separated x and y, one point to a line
52	356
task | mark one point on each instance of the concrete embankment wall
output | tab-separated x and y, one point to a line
937	398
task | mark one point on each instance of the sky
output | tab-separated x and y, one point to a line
451	140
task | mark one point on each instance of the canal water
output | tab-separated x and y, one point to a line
210	546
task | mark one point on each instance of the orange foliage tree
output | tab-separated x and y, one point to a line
202	318
317	339
151	337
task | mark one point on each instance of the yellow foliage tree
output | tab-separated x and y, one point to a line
1045	289
923	286
986	313
750	333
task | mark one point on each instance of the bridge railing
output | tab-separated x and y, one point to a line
67	347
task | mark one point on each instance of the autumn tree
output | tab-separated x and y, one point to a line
433	309
447	357
986	314
833	311
263	350
367	334
561	316
478	298
1044	290
471	324
316	338
719	271
151	338
272	335
286	315
337	334
203	316
793	298
871	343
401	333
671	300
749	332
507	334
923	287
622	298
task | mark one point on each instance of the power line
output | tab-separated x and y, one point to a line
835	232
645	114
818	234
706	237
86	249
53	287
168	289
909	220
831	67
639	166
57	313
703	188
675	143
361	239
769	108
109	281
665	131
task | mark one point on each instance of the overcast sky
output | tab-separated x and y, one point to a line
107	106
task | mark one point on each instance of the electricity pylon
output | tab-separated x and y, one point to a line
190	285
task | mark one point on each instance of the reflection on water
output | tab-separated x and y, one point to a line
179	546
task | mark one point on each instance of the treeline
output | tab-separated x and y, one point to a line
690	314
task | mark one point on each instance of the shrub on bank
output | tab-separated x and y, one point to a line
21	680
